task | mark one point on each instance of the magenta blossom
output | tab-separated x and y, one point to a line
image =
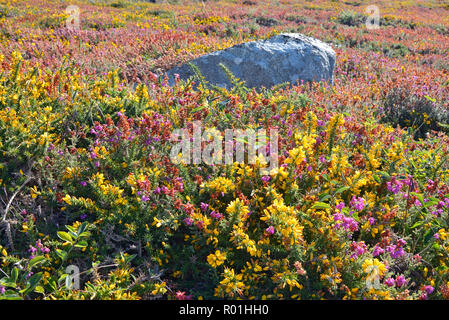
270	230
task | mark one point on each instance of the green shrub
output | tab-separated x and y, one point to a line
266	21
421	114
350	18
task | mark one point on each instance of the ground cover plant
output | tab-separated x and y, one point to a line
93	207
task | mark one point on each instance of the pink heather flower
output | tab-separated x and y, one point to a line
389	282
423	296
371	221
400	281
265	178
216	215
270	230
204	206
2	290
436	236
358	248
182	296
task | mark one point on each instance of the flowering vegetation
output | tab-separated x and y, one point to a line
357	209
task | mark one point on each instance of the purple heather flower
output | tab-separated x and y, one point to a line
400	281
395	251
394	186
358	203
204	206
188	221
2	290
322	159
346	222
377	251
389	282
265	178
429	289
340	206
270	230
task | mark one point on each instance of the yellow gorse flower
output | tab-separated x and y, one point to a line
216	259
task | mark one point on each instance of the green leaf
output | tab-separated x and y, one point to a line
10	295
39	289
342	189
81	244
36	260
32	283
61	253
70	228
356	216
82	228
321	205
65	236
324	197
85	234
417	224
51	283
14	275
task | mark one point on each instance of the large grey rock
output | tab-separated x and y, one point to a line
286	57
